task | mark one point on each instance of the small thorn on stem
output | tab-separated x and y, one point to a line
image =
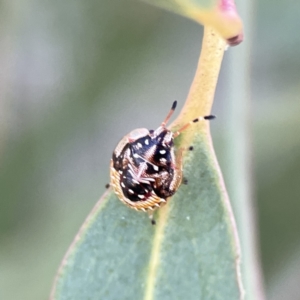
107	185
153	222
191	148
185	181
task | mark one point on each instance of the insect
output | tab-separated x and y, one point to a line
145	171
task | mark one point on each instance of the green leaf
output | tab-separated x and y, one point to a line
190	254
219	14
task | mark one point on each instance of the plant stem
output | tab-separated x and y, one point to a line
199	103
202	91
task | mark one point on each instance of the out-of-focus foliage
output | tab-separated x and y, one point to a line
75	72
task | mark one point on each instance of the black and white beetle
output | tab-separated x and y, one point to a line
144	171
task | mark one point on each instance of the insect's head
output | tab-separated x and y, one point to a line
166	136
162	135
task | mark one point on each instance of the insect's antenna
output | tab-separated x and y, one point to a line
163	124
184	127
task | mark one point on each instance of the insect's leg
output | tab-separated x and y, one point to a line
184	181
180	153
190	148
150	214
178	166
177	170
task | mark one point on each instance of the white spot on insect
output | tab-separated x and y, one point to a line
162	151
120	171
146	141
163	160
124	177
130	191
135	181
188	218
141	196
135	155
146	191
140	145
155	168
146	180
122	184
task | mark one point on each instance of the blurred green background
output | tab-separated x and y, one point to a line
78	75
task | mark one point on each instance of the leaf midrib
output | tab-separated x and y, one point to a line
155	253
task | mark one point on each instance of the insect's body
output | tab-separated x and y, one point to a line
145	170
